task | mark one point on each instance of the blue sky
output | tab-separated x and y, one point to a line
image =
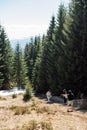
25	18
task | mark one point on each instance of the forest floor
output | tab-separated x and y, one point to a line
37	114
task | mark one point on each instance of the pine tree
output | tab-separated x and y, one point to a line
30	54
29	58
76	31
5	60
36	69
59	48
60	41
46	67
20	69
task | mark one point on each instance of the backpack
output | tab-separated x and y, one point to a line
70	96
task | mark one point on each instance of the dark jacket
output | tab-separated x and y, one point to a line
70	96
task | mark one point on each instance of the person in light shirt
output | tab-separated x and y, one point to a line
65	96
49	95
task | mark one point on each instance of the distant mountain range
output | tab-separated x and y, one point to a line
22	42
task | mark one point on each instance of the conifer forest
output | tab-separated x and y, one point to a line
54	61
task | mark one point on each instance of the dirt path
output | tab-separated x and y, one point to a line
15	114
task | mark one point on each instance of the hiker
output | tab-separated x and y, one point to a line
48	94
65	96
70	96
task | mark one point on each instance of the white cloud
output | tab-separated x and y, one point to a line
21	31
24	18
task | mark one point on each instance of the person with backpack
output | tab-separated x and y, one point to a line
70	100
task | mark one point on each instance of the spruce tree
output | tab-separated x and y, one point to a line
56	51
46	65
30	54
76	32
29	58
20	69
36	70
5	60
60	41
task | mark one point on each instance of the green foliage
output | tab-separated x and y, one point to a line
63	61
55	61
14	95
1	80
20	69
28	92
76	48
5	60
30	54
36	70
46	60
53	50
59	55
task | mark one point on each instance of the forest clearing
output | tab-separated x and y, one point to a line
37	114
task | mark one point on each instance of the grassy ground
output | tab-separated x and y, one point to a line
37	114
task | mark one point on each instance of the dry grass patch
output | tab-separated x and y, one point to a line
2	107
2	98
20	110
37	114
30	126
34	104
34	125
44	109
46	126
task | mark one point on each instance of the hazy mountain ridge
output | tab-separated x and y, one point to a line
22	42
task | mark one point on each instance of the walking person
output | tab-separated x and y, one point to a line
65	96
49	95
70	101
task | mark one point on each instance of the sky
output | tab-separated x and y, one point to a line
25	18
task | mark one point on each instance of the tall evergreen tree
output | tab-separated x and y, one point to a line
29	57
20	69
59	48
60	41
36	69
5	60
76	31
46	65
30	53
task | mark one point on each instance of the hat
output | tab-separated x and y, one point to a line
70	91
